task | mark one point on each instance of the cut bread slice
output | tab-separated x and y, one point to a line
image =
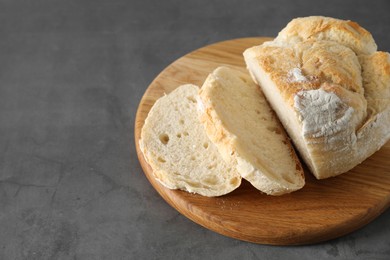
330	88
247	133
176	146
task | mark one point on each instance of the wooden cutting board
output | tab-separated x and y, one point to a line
322	210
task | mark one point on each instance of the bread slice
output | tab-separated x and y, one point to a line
240	122
175	145
329	87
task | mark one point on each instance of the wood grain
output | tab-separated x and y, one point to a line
322	210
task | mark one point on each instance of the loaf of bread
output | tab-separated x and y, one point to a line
175	145
248	134
330	88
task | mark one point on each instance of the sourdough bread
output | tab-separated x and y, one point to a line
329	87
175	145
247	133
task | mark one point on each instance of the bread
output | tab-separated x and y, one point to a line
247	133
329	87
175	145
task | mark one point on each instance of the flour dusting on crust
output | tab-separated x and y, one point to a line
295	75
322	113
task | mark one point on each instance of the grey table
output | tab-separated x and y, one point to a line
71	76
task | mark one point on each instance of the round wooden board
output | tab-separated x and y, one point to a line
322	210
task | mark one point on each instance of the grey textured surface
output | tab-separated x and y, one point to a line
71	76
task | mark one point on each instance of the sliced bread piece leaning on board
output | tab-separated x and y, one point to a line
248	134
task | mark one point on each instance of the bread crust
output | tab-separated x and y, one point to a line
347	33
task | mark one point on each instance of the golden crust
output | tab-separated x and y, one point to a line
347	33
323	64
376	74
376	78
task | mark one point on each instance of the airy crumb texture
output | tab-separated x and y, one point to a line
240	122
330	89
177	148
